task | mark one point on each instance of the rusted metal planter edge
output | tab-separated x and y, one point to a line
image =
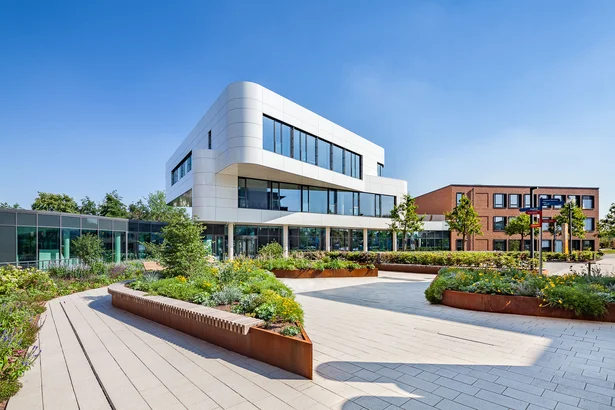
327	273
516	305
288	353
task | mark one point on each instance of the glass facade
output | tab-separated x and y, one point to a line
291	142
306	238
280	196
379	240
32	238
426	241
182	169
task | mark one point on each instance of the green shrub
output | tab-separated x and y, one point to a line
582	299
88	248
8	388
227	295
265	312
183	252
271	250
177	288
291	331
248	303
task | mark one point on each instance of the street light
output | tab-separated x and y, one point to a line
532	205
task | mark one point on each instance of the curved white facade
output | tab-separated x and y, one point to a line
235	121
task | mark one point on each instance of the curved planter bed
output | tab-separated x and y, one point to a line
408	268
517	305
238	333
327	273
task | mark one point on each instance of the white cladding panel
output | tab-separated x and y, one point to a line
235	121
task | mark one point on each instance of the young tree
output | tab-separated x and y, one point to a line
404	219
88	207
578	219
158	208
55	202
112	206
138	210
88	248
464	220
519	225
183	252
606	227
5	205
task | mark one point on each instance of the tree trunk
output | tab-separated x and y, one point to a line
405	240
521	248
463	247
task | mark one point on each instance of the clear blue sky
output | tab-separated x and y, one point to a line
95	95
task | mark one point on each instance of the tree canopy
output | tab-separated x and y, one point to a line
46	201
88	207
112	206
6	205
183	252
607	224
578	219
464	220
405	220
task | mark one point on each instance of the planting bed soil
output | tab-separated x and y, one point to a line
241	334
326	273
518	305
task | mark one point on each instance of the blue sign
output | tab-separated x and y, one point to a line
535	209
551	202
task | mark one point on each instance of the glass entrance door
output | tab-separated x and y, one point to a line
246	246
219	247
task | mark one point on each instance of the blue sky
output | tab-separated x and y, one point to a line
95	95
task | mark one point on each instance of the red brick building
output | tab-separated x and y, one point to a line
495	204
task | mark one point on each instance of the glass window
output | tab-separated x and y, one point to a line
242	193
48	220
367	204
348	163
458	198
589	224
273	188
104	223
311	149
27	219
189	164
356	238
378	205
209	134
301	238
338	159
277	140
574	199
318	200
499	201
26	243
182	170
356	166
256	193
499	223
379	240
499	245
380	169
340	239
545	226
68	236
286	146
559	246
588	245
388	203
296	144
332	201
513	200
514	245
48	244
324	154
527	200
7	218
71	222
546	245
345	203
588	202
290	197
8	244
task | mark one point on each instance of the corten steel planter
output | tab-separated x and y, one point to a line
409	268
517	305
228	330
327	273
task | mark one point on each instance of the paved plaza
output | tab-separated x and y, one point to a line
377	345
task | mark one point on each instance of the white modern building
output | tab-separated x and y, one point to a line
259	168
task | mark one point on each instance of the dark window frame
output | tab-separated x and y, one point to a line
593	199
458	197
510	204
503	201
182	165
503	221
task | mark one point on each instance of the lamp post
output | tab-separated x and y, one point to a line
532	205
570	227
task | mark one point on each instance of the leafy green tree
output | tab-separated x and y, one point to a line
183	251
112	206
405	220
159	210
88	207
606	227
464	220
138	210
88	248
5	205
55	202
520	225
578	219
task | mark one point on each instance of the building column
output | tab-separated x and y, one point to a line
365	248
285	240
394	241
328	238
231	245
118	247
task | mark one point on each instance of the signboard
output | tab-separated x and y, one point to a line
534	212
538	225
529	209
548	220
551	202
